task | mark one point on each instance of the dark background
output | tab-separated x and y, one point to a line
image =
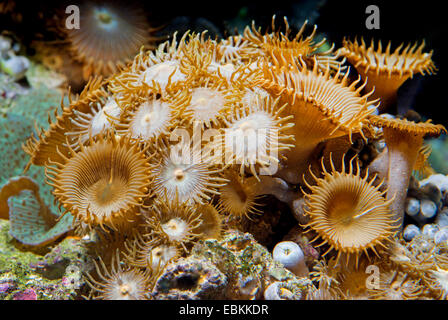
400	21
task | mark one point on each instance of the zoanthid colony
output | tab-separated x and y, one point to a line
185	143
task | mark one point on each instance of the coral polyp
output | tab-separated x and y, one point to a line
234	49
324	106
283	51
238	198
159	68
119	283
174	222
111	34
92	123
387	70
151	253
348	212
208	104
439	281
102	183
52	143
397	286
255	136
150	120
404	140
212	225
182	173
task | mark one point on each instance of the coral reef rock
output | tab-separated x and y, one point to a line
236	267
26	275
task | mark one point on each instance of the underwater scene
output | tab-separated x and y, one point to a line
293	150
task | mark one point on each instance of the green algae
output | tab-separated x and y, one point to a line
12	259
54	275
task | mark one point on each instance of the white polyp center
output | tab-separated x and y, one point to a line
229	51
111	107
249	137
163	69
247	125
229	67
151	119
146	119
225	70
179	174
157	253
176	229
125	289
182	174
161	72
253	66
107	20
206	103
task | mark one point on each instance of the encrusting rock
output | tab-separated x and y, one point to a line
56	275
236	267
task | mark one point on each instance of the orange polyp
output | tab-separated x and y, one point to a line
348	212
404	140
111	34
386	71
324	106
98	195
